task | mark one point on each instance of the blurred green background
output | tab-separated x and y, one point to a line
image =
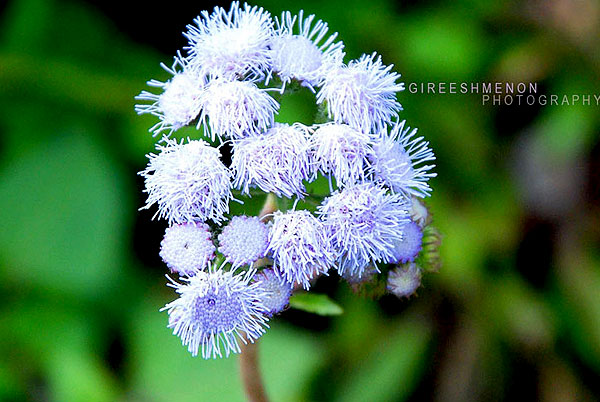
514	313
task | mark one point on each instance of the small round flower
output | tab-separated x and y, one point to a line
187	248
179	103
362	94
299	247
188	182
301	56
244	240
236	109
215	309
404	280
276	162
277	291
232	44
398	159
407	249
340	150
363	222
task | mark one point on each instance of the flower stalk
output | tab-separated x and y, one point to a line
250	374
249	366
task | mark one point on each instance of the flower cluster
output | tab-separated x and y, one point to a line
360	175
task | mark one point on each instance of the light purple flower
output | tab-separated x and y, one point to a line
188	182
236	109
299	247
277	291
215	310
363	222
341	151
179	103
187	248
244	240
303	54
233	44
276	162
407	249
404	280
398	161
362	94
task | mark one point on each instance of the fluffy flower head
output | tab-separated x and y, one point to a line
187	248
233	43
213	310
179	103
342	151
404	280
304	54
407	249
244	240
276	162
362	94
277	291
236	109
188	181
299	247
363	223
398	161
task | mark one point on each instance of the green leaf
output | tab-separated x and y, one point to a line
297	107
63	217
76	376
315	303
392	368
320	186
248	205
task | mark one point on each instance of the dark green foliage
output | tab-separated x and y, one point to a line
80	279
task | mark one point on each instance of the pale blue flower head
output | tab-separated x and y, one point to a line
398	161
341	151
306	53
363	223
236	109
188	182
244	240
215	310
407	249
187	248
299	247
362	94
276	289
180	101
276	162
404	280
233	44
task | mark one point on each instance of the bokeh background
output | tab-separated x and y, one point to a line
514	313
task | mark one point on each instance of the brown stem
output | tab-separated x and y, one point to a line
250	373
249	368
